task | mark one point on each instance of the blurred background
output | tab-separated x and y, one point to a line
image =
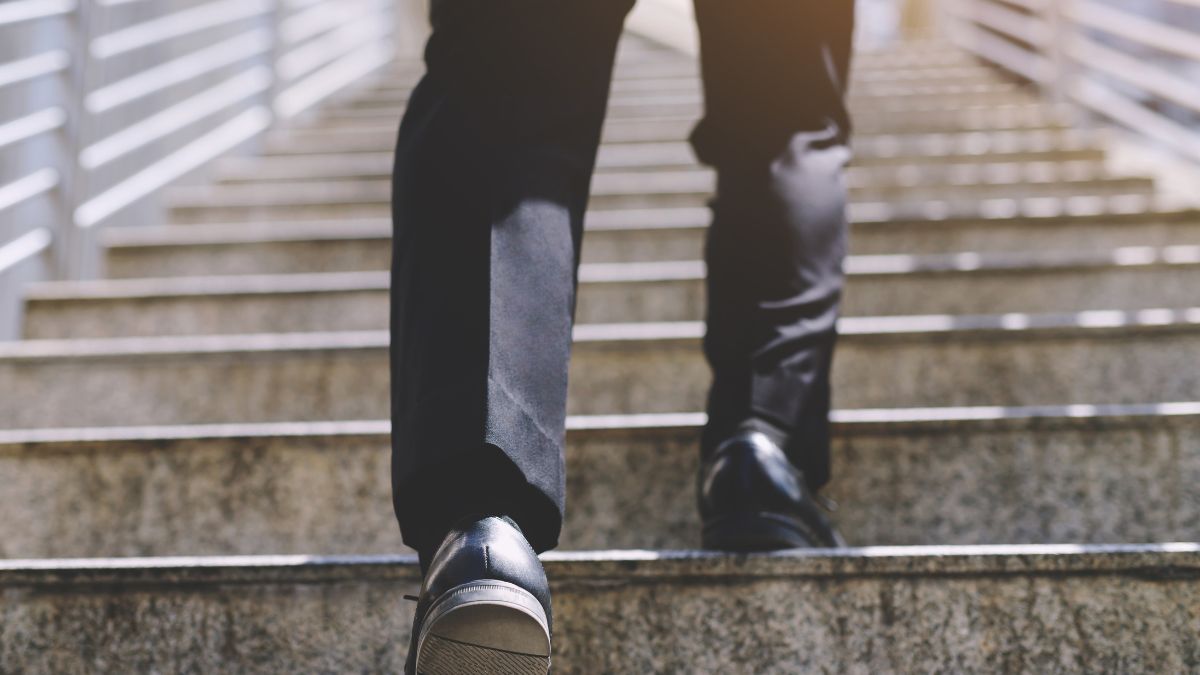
103	103
195	240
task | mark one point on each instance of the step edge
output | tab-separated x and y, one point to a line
1152	561
863	421
943	326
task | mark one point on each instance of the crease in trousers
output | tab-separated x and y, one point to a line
493	163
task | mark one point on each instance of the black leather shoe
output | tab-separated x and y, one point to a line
753	499
484	606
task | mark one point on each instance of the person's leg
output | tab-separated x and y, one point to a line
493	164
776	130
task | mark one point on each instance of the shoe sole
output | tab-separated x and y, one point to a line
759	532
485	627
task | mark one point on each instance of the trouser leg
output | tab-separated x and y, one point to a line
776	131
493	164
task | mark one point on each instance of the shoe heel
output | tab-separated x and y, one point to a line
753	532
482	628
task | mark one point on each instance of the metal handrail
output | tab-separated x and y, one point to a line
19	11
1076	50
146	98
173	26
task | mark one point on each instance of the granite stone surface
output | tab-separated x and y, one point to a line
359	301
647	368
270	257
326	489
1058	609
646	238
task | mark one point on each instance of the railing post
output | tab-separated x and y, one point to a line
77	249
1057	16
275	22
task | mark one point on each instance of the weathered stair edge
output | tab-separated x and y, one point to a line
966	283
620	236
1011	359
1094	474
1062	608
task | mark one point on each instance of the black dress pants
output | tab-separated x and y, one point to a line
493	164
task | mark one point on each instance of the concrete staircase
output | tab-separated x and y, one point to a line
195	467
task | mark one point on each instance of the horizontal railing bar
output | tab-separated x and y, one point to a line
1108	103
1031	6
30	126
1028	64
179	24
24	247
300	4
28	187
321	18
1135	72
46	63
172	167
17	11
1137	29
209	102
330	79
201	62
1022	27
117	3
303	60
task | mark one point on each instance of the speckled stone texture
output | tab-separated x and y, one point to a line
1045	611
332	376
265	257
1032	480
360	302
916	236
683	241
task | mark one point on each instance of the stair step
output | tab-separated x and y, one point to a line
872	98
881	229
888	67
1002	475
889	149
618	236
1011	359
672	156
648	164
685	76
964	283
1031	608
1016	116
324	199
633	94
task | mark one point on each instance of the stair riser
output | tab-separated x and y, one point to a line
688	80
628	112
686	95
356	621
677	159
368	143
647	245
1009	368
1026	482
925	147
913	372
335	255
865	68
616	302
1016	116
371	205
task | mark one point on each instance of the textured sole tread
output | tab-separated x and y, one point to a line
442	656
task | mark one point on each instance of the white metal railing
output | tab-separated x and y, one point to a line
1111	59
104	102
